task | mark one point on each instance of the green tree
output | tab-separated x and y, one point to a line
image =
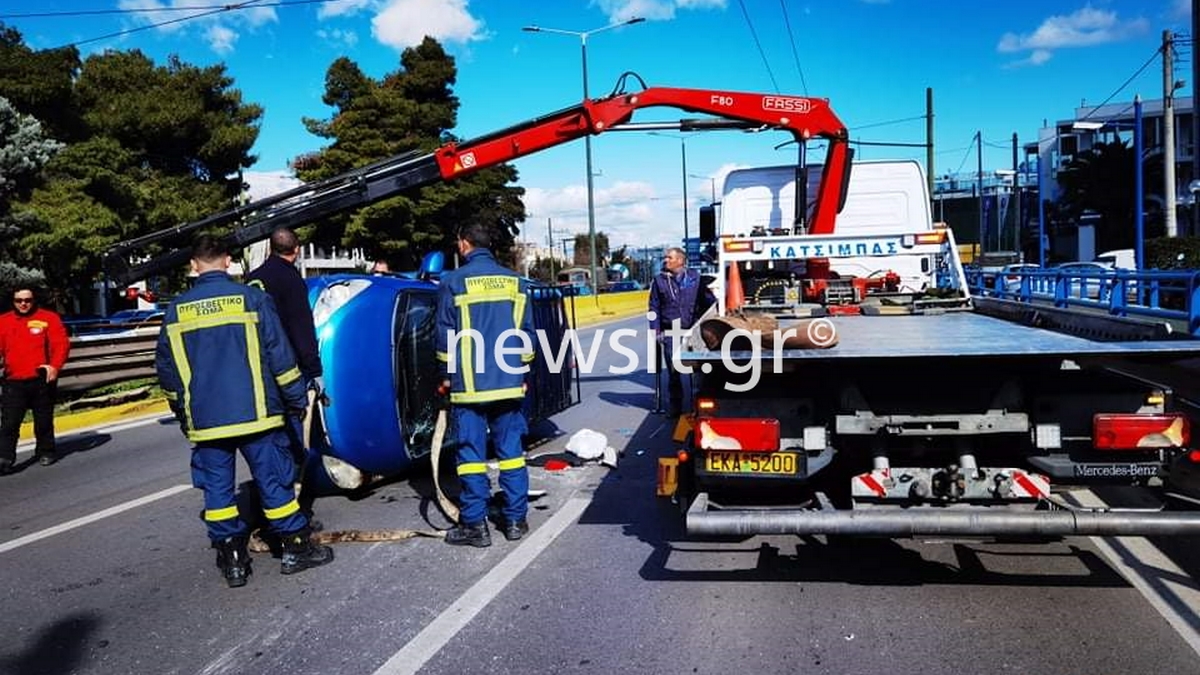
24	151
155	146
411	110
40	83
1101	181
583	248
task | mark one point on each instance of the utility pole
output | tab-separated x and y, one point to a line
550	248
1016	196
929	136
1169	132
979	185
1195	118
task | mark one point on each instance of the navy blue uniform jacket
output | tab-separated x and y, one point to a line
282	281
224	363
490	300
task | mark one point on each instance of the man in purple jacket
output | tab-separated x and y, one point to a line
676	293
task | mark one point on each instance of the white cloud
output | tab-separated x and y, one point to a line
343	8
221	31
1086	27
631	213
1036	58
652	10
405	23
266	183
1040	56
338	38
220	39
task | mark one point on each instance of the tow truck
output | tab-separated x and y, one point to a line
911	405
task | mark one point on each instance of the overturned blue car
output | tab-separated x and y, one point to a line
376	339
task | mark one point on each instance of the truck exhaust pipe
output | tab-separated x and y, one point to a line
946	522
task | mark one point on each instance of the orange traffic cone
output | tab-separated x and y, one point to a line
735	297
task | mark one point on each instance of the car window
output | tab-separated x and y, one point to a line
417	373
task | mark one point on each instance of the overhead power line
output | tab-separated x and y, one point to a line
128	31
792	40
758	44
887	123
1125	84
155	10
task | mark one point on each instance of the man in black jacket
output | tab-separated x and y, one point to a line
281	280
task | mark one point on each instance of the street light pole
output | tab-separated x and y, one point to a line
587	140
684	174
1138	216
683	161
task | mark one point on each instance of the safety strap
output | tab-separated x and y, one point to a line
308	415
435	453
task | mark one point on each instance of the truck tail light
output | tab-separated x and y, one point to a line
1140	431
706	406
738	433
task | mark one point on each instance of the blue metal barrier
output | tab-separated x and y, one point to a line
1172	295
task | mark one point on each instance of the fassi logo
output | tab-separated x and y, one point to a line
786	104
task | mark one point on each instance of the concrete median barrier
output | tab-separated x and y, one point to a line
594	309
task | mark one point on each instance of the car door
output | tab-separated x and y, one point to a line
418	374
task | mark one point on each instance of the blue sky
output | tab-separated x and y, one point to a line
996	68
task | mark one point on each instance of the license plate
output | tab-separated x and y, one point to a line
771	463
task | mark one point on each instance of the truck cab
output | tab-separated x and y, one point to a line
886	198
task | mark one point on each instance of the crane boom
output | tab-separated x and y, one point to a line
804	117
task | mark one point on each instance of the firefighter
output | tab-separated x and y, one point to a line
485	337
230	377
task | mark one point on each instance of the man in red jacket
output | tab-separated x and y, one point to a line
33	347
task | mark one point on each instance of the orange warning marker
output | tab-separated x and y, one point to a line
735	297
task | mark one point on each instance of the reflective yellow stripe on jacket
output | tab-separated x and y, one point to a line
479	290
227	310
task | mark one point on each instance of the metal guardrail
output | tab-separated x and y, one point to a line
99	360
1173	296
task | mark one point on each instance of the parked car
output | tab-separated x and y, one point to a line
1085	279
134	315
990	263
1013	274
1121	259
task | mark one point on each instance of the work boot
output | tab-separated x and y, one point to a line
515	530
469	535
6	467
300	553
48	458
233	560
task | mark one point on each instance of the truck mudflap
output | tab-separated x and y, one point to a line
706	519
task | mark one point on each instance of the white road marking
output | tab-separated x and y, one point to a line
430	641
1167	588
86	520
28	446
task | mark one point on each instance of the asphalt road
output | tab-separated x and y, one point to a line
107	570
